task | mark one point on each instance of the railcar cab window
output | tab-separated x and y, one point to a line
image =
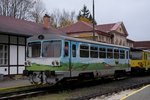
122	54
66	49
116	53
93	52
84	51
109	53
34	49
136	55
51	48
102	52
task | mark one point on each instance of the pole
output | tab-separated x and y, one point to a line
93	21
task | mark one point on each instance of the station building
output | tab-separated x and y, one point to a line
112	33
13	38
145	45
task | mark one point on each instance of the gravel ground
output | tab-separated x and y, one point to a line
96	91
114	96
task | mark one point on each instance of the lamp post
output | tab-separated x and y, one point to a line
93	21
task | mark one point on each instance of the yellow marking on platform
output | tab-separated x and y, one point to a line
134	92
8	88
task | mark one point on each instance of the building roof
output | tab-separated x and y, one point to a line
81	27
129	40
105	27
142	44
9	25
111	27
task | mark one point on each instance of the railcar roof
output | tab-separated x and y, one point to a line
55	36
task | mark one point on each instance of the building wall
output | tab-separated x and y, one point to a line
89	36
119	39
12	54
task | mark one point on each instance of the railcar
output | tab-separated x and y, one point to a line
140	61
51	58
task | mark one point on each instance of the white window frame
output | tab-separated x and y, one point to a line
4	55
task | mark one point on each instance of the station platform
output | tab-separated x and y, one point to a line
13	84
141	94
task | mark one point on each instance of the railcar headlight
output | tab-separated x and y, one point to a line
57	63
27	63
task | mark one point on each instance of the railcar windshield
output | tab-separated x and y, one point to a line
136	55
51	48
34	49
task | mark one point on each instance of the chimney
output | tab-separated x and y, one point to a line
46	21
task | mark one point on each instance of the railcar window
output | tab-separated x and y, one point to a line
109	53
84	51
136	55
74	50
94	52
148	56
116	53
66	49
51	48
102	52
122	54
127	54
145	56
34	49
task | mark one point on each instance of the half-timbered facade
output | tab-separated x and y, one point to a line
13	36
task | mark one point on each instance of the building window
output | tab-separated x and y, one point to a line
102	52
109	53
84	51
93	52
3	54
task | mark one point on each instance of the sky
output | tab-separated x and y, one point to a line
135	14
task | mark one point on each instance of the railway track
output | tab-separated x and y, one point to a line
84	91
24	92
111	87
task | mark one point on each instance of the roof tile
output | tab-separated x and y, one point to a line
21	27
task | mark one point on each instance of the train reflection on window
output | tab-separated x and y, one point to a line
93	52
109	53
34	49
116	53
102	52
51	48
84	51
122	54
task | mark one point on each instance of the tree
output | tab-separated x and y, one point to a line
85	15
38	12
62	18
22	9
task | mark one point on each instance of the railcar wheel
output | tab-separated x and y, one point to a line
50	80
30	79
37	78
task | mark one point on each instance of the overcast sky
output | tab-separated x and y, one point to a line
135	14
